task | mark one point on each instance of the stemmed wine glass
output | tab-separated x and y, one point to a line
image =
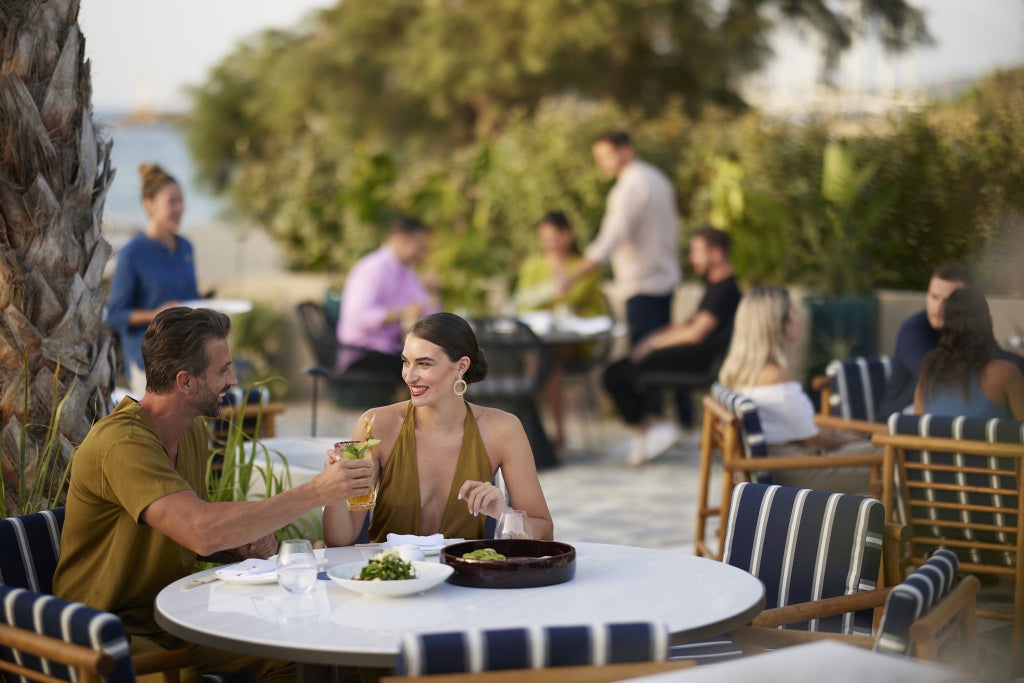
513	524
296	566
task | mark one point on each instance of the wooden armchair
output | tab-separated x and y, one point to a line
63	639
957	482
930	615
809	548
732	428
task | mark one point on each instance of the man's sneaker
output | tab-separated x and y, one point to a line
658	438
637	452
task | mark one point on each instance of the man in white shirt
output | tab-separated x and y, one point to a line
639	236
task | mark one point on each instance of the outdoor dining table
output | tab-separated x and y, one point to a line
695	597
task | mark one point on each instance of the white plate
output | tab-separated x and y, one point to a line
428	575
265	577
225	306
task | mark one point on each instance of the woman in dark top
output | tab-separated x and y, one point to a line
962	375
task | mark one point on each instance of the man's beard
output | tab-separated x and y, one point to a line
207	402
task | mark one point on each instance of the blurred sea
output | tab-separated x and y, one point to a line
162	142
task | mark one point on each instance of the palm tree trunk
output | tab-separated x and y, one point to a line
54	175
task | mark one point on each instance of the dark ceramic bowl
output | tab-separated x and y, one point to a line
531	563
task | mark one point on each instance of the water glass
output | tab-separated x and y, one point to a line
296	566
513	524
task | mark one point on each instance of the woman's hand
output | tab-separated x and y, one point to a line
483	496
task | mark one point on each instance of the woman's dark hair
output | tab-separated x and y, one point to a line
966	342
176	341
560	221
455	336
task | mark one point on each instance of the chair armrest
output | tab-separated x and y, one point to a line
817	609
859	426
802	462
753	639
169	663
73	655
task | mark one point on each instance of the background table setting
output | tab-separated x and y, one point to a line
334	625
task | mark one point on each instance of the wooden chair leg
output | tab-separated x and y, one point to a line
703	508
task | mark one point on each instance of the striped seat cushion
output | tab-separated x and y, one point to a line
922	501
807	545
531	648
68	621
912	599
858	387
30	547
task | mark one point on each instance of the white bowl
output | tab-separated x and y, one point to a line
428	575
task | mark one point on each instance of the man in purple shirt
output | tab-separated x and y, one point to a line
383	297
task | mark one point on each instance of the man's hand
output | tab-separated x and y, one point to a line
262	548
344	479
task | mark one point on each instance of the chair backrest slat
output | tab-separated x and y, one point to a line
31	546
858	387
534	647
807	545
954	494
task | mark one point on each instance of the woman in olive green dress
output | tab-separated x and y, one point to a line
438	454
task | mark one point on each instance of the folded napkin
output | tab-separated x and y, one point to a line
434	542
250	567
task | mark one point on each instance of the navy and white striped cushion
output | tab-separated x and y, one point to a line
29	548
754	445
912	599
807	545
1000	492
858	387
68	621
531	648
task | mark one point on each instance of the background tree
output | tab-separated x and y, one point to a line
317	132
54	174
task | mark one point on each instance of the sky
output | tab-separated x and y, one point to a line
145	52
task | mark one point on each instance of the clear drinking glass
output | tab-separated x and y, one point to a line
296	566
513	524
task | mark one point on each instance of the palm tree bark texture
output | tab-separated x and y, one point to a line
54	175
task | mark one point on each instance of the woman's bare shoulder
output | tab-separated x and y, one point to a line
494	423
771	374
386	419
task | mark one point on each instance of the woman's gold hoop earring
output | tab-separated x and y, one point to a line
460	386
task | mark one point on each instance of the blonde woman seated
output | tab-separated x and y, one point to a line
765	328
438	453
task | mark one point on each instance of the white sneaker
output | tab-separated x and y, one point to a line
658	438
637	452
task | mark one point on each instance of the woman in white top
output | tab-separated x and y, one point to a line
765	327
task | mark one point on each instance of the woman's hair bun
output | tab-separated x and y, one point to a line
477	368
153	178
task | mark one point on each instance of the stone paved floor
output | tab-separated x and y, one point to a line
594	495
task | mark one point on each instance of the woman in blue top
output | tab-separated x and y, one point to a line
155	270
962	375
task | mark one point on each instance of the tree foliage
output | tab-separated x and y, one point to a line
444	108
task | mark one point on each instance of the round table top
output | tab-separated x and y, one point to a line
697	598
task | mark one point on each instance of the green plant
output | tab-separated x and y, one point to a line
243	468
42	477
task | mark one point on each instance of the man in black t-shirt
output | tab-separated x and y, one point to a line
692	345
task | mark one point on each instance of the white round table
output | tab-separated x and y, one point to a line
697	598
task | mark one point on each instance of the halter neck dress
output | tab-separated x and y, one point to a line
398	498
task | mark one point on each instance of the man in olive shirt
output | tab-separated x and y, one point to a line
137	513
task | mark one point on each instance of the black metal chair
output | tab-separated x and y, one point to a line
352	388
518	364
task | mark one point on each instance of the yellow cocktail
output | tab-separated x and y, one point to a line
358	450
